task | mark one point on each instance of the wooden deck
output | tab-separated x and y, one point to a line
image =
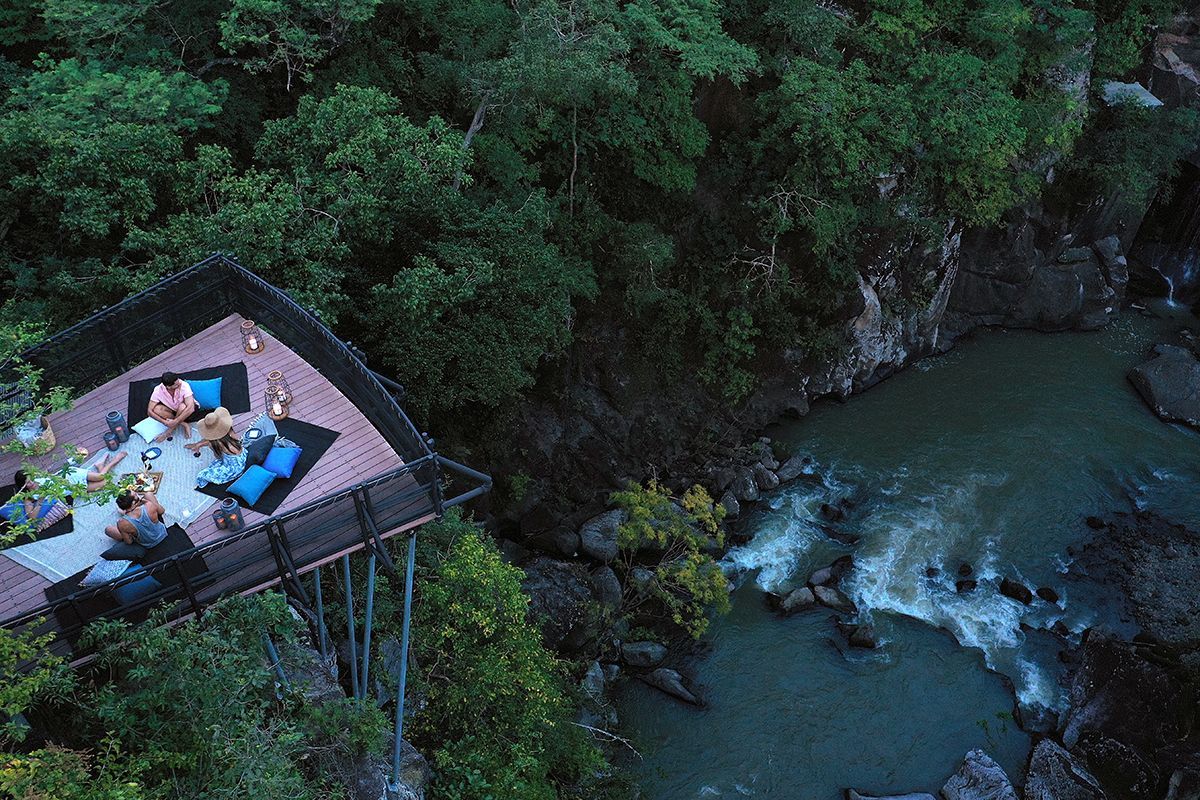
359	453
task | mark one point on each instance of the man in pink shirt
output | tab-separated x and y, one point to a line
171	403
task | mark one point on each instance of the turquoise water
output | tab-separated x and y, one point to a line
991	455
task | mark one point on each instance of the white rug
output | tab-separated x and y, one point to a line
62	556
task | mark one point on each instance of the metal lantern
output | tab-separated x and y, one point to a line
252	338
277	407
278	384
117	425
228	516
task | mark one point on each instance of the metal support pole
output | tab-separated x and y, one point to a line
273	655
350	625
366	653
408	590
320	615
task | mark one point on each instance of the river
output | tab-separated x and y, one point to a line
992	455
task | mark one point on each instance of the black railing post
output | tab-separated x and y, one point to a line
197	609
286	553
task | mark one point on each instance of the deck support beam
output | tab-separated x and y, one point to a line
399	729
350	625
366	650
322	645
276	663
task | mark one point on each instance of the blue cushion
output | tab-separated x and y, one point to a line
131	593
207	393
282	460
252	484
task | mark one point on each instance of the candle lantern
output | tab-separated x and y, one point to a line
117	425
252	338
277	407
111	441
233	514
278	384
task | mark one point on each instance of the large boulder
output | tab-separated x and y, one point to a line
1055	774
797	600
1016	590
853	795
764	477
745	486
643	654
979	778
828	596
563	603
1170	384
598	536
796	466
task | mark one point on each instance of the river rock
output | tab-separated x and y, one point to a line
821	577
1055	774
732	507
964	585
832	598
965	570
765	478
796	466
563	603
641	579
598	536
1016	590
833	513
769	461
1170	384
853	795
607	588
1036	718
670	682
643	654
797	600
1048	594
860	636
744	486
979	778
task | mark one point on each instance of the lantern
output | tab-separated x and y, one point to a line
117	425
252	338
278	384
277	407
228	516
111	441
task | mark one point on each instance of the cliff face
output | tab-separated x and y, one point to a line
609	419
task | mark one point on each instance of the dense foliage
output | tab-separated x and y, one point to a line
179	712
456	185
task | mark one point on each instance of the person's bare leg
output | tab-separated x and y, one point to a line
107	464
113	532
167	417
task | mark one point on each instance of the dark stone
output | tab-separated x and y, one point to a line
965	570
643	654
1095	523
832	513
797	600
598	536
1170	384
733	508
979	778
1016	590
832	598
932	572
1055	774
670	682
853	795
1048	594
795	467
563	603
965	585
1036	718
607	588
765	478
860	636
821	577
744	486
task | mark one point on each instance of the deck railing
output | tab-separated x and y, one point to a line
280	548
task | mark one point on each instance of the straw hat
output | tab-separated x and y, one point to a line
216	424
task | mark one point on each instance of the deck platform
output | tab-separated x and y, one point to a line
360	452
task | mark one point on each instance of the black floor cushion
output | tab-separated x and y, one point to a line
235	391
177	541
64	525
314	440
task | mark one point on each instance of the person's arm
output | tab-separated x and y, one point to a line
153	507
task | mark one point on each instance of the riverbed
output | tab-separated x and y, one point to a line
991	456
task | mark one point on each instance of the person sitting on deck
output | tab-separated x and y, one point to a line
216	431
30	507
171	403
141	520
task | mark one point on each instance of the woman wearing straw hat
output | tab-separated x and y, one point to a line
216	431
